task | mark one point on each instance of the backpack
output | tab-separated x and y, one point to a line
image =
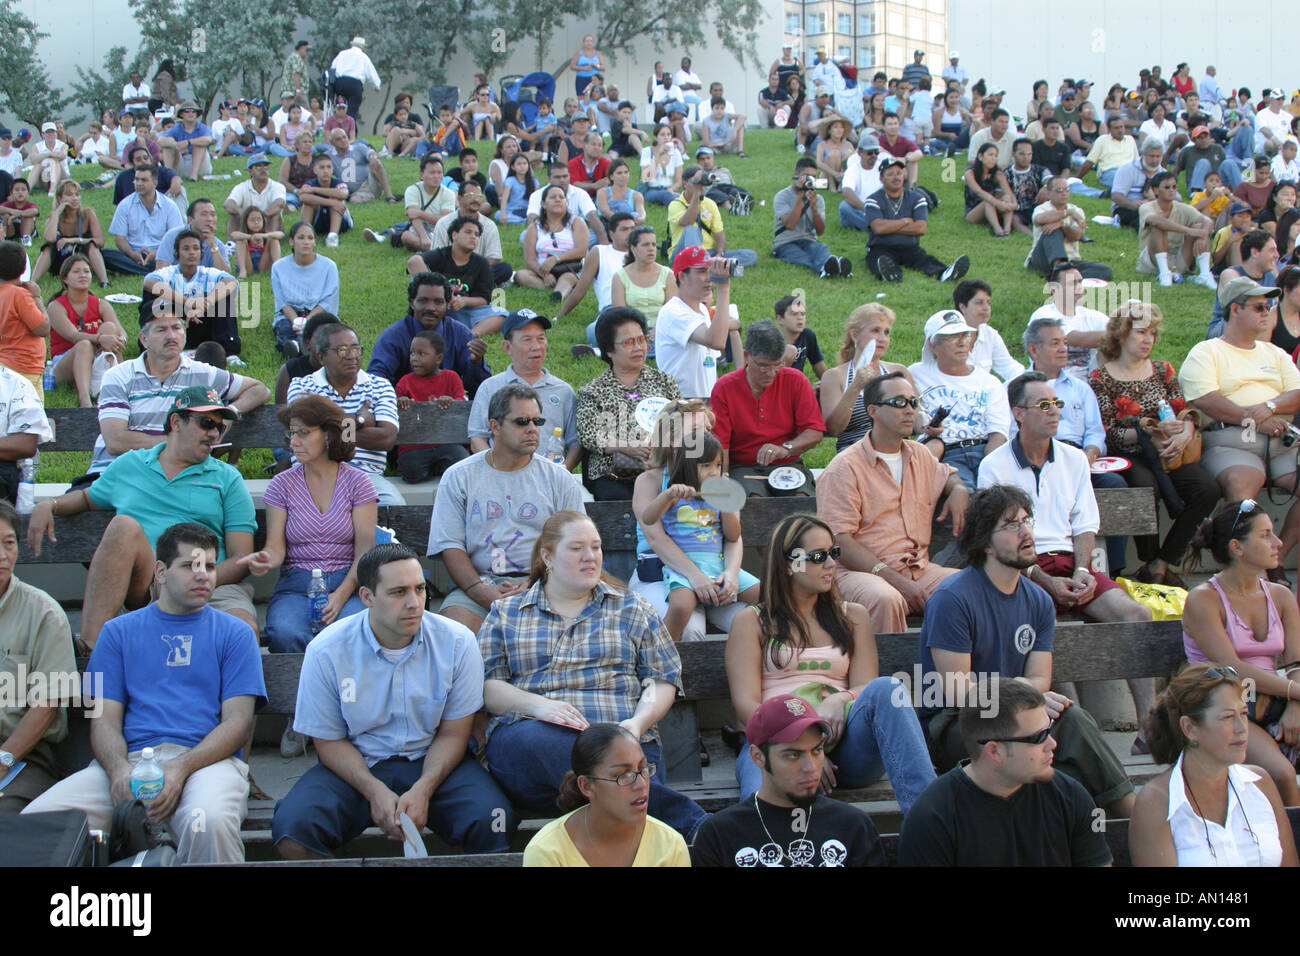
742	200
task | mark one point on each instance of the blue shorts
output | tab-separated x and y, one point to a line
712	565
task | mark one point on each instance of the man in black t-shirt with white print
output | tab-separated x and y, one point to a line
788	822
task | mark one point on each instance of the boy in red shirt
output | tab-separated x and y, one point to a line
19	213
24	327
428	381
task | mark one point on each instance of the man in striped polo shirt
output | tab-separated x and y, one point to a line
136	396
369	399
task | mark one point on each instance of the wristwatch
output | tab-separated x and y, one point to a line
6	760
361	419
1271	406
788	446
878	567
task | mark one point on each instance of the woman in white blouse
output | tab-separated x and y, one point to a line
1210	808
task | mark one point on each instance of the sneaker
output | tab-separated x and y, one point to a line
290	349
292	744
27	240
234	361
830	268
959	267
1202	279
846	268
890	270
232	251
332	241
384	153
1166	279
801	149
371	235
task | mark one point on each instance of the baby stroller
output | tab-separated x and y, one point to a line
526	91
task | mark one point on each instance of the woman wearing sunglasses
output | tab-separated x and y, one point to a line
1211	808
1238	618
605	797
1130	387
803	640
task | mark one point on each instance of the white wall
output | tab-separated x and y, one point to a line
1012	43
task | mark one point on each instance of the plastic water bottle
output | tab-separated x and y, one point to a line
317	598
146	777
47	377
1166	413
26	487
555	446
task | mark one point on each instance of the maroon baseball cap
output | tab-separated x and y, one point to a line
782	719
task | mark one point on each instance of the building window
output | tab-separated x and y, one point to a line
844	51
816	23
792	24
866	24
844	22
866	57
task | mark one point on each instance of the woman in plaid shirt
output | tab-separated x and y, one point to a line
572	650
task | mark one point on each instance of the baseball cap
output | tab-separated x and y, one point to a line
521	317
1068	92
201	398
255	159
704	149
1275	93
1240	289
1238	207
918	53
49	128
340	101
820	90
6	133
124	112
692	257
890	161
947	322
782	719
580	117
954	55
1082	82
258	102
867	142
1200	130
287	95
787	45
226	105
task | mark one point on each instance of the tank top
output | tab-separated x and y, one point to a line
648	300
694	526
299	173
783	73
554	243
88	323
588	65
619	205
1282	338
823	665
951	122
1263	653
859	421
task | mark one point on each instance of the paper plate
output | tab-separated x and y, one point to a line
725	494
1094	284
648	409
122	298
781	117
1110	463
786	478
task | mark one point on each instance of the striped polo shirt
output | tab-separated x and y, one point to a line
130	393
383	405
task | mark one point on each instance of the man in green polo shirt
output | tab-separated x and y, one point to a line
152	489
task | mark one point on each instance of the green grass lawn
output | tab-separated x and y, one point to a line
374	281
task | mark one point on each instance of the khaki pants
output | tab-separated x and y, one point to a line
886	606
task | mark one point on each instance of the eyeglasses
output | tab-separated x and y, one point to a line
1046	405
763	369
206	423
628	777
1037	738
291	433
1222	673
1016	526
815	557
346	351
1263	308
899	401
525	422
1246	507
638	341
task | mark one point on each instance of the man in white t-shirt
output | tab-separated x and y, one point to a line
977	418
688	341
861	179
689	82
1083	326
258	190
136	93
1272	124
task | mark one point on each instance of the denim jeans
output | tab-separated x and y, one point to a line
1229	171
658	195
804	252
283	329
288	616
1107	178
693	236
1243	142
275	149
967	462
529	759
1083	189
475	314
852	217
880	737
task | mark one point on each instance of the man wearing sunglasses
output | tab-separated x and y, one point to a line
491	507
861	179
879	497
152	489
1006	806
1057	478
988	621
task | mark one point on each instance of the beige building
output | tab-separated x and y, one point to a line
872	34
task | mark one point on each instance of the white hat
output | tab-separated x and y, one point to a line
49	128
943	322
359	41
954	55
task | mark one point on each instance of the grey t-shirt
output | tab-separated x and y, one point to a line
353	167
786	200
495	516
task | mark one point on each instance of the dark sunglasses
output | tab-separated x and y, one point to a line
815	557
525	422
898	401
207	424
1037	738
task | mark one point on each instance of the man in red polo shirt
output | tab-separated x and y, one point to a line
900	146
589	171
767	418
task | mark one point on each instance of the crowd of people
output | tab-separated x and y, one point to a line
541	679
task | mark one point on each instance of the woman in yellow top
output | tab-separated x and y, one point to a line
606	795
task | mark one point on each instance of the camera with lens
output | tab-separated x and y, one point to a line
703	178
1290	435
734	269
807	183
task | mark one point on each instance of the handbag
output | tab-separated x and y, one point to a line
1191	452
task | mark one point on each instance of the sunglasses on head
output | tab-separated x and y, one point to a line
1247	507
1037	738
1222	673
815	557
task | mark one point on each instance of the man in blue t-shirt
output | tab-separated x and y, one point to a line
183	679
991	620
185	147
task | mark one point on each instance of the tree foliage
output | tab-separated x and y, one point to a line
25	90
103	90
680	26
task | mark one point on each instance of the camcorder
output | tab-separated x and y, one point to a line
806	183
703	178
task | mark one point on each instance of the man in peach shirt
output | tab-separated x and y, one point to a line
879	496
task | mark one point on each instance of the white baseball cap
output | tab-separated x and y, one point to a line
943	322
954	55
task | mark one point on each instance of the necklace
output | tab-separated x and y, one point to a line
801	850
894	207
1226	816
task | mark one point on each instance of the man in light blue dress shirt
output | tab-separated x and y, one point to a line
389	696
